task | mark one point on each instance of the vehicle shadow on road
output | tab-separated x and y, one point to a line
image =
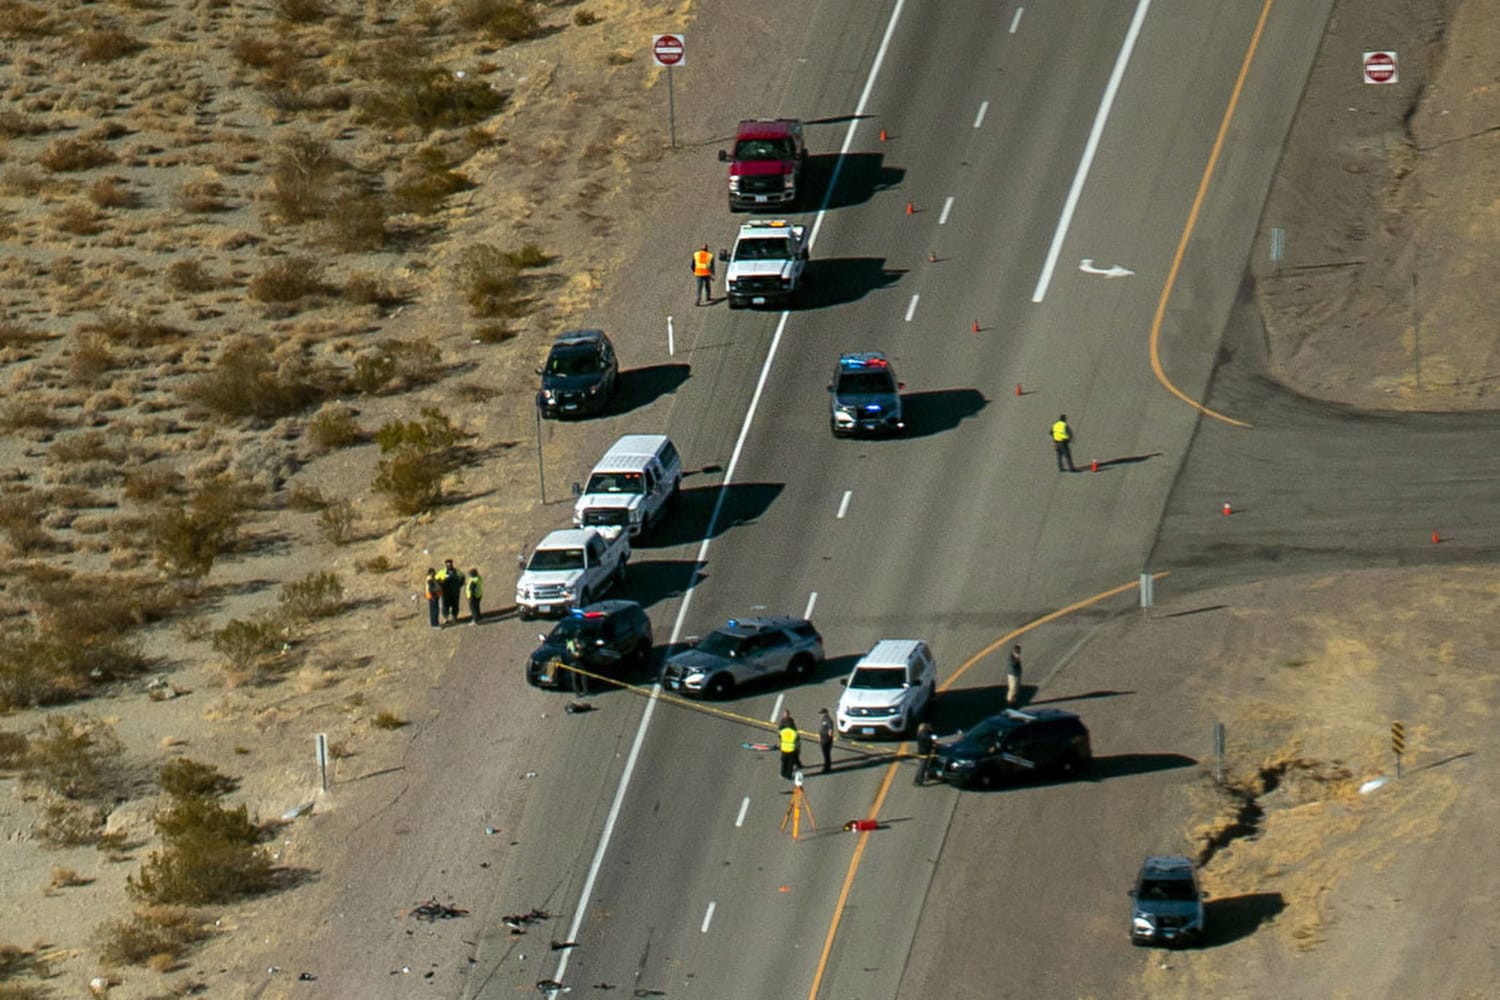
688	522
1234	917
654	580
640	387
1122	765
961	708
939	410
836	281
1063	698
862	176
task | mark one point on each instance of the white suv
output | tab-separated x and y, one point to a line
889	690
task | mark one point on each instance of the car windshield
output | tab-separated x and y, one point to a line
554	559
1175	890
721	644
871	383
764	149
616	482
878	678
574	628
762	249
575	362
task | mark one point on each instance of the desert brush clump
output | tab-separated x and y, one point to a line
334	426
490	281
249	646
251	379
188	535
426	181
287	280
306	180
498	20
188	778
396	366
317	595
70	155
210	853
417	454
151	934
405	91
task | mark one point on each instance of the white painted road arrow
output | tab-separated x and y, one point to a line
1087	267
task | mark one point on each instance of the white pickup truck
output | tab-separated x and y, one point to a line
766	263
571	568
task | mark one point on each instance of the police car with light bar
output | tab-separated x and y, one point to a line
866	398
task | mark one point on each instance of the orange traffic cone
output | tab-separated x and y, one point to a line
975	327
931	257
1018	390
1094	465
1436	538
910	210
1227	509
882	135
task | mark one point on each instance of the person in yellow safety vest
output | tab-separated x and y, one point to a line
1062	443
474	591
703	270
790	750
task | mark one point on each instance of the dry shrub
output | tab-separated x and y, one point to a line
201	196
21	339
317	595
86	446
387	720
153	484
287	280
151	932
248	646
357	222
70	155
185	777
106	45
500	20
337	521
495	333
22	182
66	878
490	282
64	823
13	750
425	182
111	192
583	18
134	329
28	19
26	413
411	481
211	854
256	51
76	757
334	426
306	179
19	125
187	537
21	523
77	219
305	499
300	11
427	97
397	365
190	277
248	380
46	669
368	289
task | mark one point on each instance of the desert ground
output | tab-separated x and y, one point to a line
241	243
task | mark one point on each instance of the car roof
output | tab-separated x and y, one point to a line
630	452
1167	866
579	338
857	360
750	626
611	608
889	653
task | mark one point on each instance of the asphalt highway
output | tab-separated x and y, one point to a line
650	832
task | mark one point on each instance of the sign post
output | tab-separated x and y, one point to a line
1380	67
1398	744
320	747
669	51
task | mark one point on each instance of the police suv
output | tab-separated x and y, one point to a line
866	396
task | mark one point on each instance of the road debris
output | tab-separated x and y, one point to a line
577	707
433	910
306	977
518	922
560	945
552	987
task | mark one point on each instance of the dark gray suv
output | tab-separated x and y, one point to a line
579	374
1015	744
744	651
1168	906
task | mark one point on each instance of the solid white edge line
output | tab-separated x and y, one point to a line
844	504
979	117
1015	22
947	207
1089	149
812	599
776	708
707	918
581	910
911	307
744	808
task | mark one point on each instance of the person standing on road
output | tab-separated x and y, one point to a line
791	750
434	598
1062	443
574	647
451	579
474	591
825	738
1013	678
924	752
703	270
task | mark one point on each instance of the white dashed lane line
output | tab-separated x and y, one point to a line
844	504
708	917
947	207
912	307
979	118
812	599
1015	22
744	808
776	708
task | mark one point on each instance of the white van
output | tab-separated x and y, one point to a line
889	689
631	486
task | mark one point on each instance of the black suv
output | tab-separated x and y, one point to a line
866	396
610	637
745	651
579	375
1014	743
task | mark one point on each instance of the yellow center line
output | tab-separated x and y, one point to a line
1192	221
890	772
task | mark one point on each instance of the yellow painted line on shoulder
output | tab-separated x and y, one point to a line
1192	222
901	753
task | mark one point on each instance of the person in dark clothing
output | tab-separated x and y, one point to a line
574	646
924	753
791	746
434	598
825	738
451	578
474	591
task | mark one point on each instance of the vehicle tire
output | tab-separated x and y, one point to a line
721	687
525	614
800	667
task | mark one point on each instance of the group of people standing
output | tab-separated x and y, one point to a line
448	586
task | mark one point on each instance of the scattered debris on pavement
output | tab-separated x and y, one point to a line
518	922
433	910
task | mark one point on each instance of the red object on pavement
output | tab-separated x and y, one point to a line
862	825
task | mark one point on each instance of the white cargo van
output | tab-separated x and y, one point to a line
889	690
631	486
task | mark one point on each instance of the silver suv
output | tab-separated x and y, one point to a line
1168	906
744	651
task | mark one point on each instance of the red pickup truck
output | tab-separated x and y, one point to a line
765	166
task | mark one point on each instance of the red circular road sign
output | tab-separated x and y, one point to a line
667	50
1380	67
